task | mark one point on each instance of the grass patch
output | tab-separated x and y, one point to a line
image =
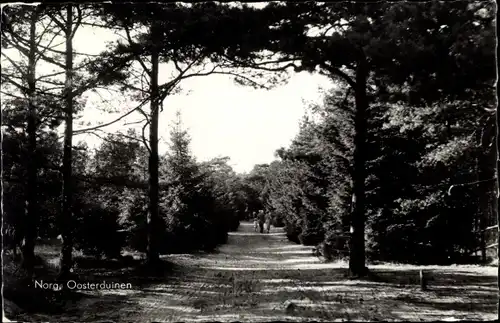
265	278
23	295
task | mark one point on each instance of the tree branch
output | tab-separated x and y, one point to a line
90	24
471	183
49	75
144	114
45	29
89	83
133	122
336	71
16	66
259	85
138	58
25	51
108	140
42	91
12	95
129	86
78	131
19	86
277	69
78	21
261	64
57	21
144	140
55	51
167	87
45	48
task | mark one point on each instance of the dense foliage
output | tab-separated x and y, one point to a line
405	146
198	205
411	215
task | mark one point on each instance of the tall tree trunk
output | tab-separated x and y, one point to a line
497	186
31	222
487	172
357	242
66	220
497	173
153	215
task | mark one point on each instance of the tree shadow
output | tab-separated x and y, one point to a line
296	295
288	285
45	296
327	296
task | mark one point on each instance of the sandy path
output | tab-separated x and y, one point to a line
255	277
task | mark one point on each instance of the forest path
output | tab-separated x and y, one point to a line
264	277
255	277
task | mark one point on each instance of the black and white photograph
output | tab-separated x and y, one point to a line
249	161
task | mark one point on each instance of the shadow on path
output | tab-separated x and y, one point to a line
264	277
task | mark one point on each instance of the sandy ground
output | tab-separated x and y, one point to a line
263	277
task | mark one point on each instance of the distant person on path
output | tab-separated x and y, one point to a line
268	223
262	219
255	222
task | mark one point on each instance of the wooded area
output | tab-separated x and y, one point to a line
398	164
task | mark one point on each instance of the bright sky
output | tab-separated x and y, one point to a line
227	120
223	119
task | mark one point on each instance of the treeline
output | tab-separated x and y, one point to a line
198	205
414	214
45	83
404	171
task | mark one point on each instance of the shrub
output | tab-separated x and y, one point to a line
278	221
334	246
292	231
311	236
234	223
308	238
97	231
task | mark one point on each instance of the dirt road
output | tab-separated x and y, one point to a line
264	277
